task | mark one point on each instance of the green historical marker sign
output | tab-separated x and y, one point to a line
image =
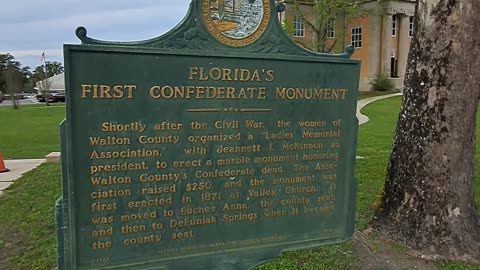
216	146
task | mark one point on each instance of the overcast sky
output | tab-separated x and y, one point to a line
28	27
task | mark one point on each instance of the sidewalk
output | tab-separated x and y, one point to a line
20	166
362	119
17	167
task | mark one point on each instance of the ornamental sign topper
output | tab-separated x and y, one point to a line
236	23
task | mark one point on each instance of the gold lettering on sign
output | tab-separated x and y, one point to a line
109	140
301	190
291	180
107	92
310	93
243	217
224	173
296	201
252	124
312	124
235	207
151	203
320	156
103	233
110	180
214	138
320	134
142	240
233	161
301	146
159	190
226	124
206	92
238	149
282	135
261	193
101	245
168	126
276	159
124	154
125	166
111	193
197	210
275	213
215	169
182	235
99	206
134	126
318	210
144	139
206	220
102	220
138	216
145	178
227	74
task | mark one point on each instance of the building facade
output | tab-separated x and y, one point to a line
380	33
55	84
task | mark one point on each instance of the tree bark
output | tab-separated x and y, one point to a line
14	83
16	103
428	201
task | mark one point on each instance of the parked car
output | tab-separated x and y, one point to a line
40	98
58	97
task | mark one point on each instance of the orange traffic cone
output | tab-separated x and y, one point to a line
2	165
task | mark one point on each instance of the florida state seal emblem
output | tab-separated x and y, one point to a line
236	23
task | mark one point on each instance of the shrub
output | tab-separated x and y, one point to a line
381	83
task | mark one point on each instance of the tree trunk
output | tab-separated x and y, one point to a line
16	103
428	201
47	96
14	83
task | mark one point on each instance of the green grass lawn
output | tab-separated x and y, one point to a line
27	222
27	230
31	131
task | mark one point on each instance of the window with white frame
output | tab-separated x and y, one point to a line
394	25
410	26
331	28
298	27
357	37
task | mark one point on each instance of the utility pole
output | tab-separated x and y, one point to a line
46	86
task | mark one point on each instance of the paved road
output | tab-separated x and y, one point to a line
6	103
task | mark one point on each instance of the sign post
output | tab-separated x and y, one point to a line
216	146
